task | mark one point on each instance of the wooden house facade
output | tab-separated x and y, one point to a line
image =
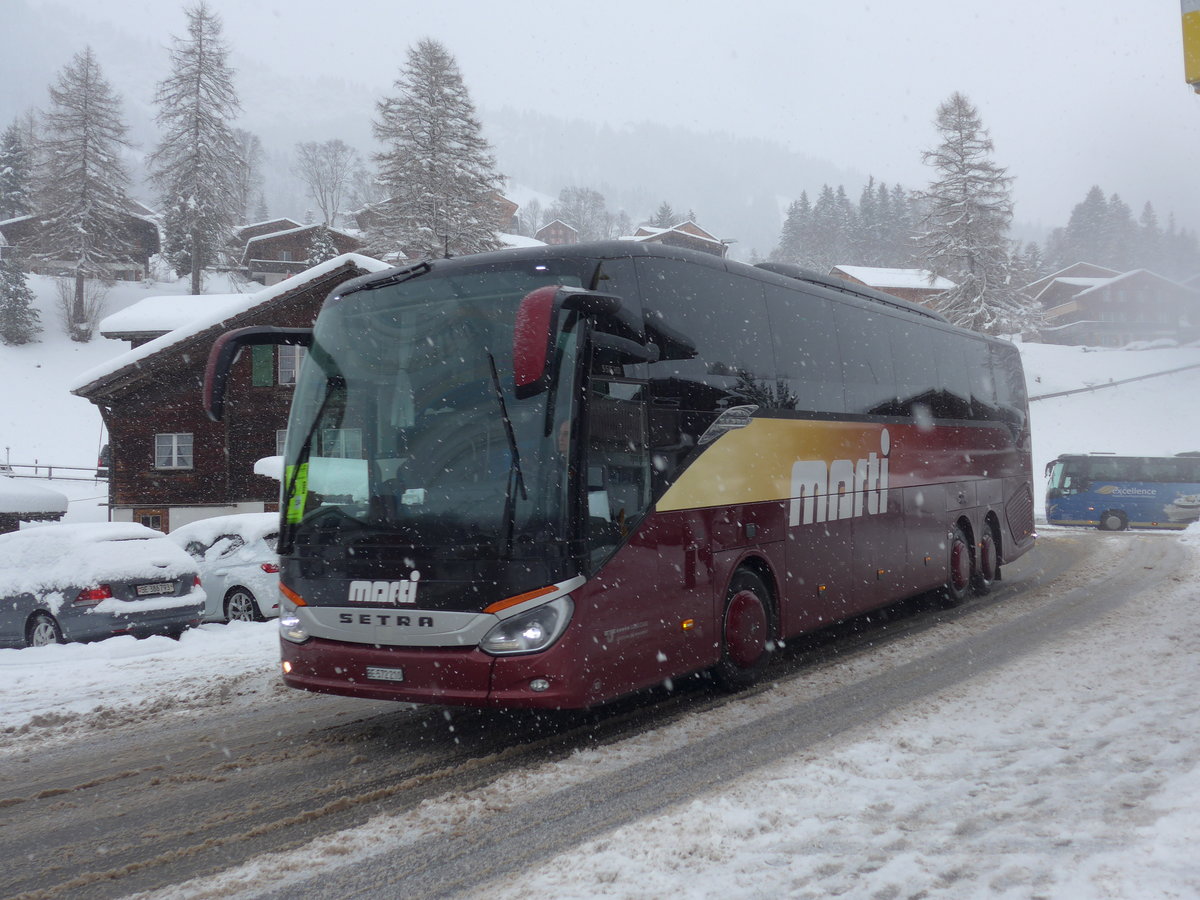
170	464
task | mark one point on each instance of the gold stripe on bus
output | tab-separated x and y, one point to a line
754	464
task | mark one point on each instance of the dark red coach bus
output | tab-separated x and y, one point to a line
549	477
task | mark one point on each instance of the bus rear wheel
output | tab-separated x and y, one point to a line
987	567
958	579
1113	520
747	633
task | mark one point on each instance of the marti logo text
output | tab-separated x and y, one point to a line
843	489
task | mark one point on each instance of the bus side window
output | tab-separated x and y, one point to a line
867	368
806	349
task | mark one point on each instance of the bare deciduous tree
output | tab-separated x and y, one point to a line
328	169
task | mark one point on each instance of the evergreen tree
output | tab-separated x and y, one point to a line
791	240
436	167
964	233
1120	235
196	164
18	319
16	174
664	216
1085	238
81	198
1149	240
321	247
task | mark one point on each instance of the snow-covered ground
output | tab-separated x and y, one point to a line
1073	774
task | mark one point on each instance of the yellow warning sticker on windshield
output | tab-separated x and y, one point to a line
296	482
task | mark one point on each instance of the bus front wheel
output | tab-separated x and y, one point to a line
747	635
1113	520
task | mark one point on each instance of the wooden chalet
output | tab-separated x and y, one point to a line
170	464
558	233
1116	309
138	240
685	234
22	501
275	255
917	285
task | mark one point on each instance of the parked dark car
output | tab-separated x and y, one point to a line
87	582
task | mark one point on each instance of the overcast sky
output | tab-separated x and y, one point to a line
1074	92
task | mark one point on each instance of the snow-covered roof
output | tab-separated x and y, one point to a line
649	232
518	240
157	315
299	228
19	498
914	279
215	317
1126	276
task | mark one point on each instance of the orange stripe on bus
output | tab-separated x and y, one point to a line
520	598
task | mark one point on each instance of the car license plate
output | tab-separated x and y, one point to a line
380	673
162	587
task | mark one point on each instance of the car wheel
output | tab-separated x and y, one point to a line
747	633
958	579
42	631
240	606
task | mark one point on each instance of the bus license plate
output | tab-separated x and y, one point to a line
380	673
162	587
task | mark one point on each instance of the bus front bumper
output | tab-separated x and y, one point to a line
446	676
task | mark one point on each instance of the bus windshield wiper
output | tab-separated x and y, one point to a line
508	430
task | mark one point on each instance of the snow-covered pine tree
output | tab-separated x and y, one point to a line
664	216
321	247
18	319
16	174
81	196
790	248
436	166
196	164
964	235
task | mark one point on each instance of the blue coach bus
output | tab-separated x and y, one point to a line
1118	492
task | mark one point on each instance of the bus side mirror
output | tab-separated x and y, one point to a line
536	328
225	352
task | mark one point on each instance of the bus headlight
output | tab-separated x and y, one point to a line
530	631
290	629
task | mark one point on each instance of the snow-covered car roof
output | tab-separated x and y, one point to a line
57	557
251	526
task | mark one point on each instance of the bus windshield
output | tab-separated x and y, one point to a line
405	423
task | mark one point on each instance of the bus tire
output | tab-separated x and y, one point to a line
747	632
986	563
1113	520
959	569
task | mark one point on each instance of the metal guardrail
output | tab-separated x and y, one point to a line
1111	384
51	472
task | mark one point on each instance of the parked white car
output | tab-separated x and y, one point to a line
238	564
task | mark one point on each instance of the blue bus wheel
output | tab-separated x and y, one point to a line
1113	520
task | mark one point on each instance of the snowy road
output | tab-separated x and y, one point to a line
178	793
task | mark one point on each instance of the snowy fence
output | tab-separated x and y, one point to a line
1110	384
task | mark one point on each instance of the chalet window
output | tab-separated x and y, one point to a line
285	255
172	451
280	437
290	358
